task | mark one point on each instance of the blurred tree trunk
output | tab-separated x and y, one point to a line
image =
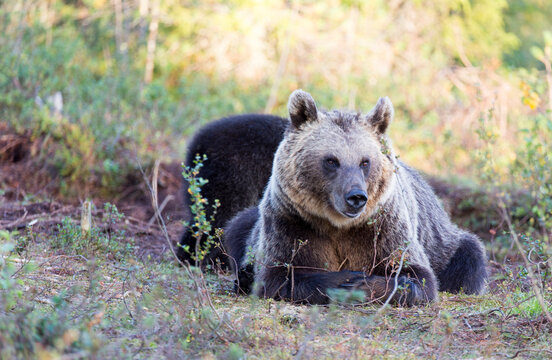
152	41
143	7
271	103
46	19
548	68
118	7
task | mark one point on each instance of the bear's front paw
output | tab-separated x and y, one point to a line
409	293
376	288
379	288
244	283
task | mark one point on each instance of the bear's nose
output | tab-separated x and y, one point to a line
356	198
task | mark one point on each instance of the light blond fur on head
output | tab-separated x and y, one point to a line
348	136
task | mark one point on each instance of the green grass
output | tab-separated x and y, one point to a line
525	304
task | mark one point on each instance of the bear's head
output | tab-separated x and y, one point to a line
335	166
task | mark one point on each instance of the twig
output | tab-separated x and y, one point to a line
160	209
123	291
396	282
401	263
529	350
485	313
34	217
467	324
160	220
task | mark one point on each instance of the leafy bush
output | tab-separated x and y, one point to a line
206	236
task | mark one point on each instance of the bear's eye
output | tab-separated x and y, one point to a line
365	164
332	162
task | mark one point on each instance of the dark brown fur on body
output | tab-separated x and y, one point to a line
239	153
338	211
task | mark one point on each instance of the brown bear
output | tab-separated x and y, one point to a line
341	211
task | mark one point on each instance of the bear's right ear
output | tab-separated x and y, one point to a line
302	108
381	115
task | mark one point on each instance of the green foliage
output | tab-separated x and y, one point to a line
527	19
65	307
466	32
98	241
485	156
531	170
342	296
28	330
10	288
108	114
235	352
23	240
200	226
217	58
94	55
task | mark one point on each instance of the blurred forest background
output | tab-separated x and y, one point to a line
109	80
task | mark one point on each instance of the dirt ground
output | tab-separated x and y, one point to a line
30	195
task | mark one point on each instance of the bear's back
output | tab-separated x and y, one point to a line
239	151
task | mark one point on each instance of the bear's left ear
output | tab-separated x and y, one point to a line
381	115
302	108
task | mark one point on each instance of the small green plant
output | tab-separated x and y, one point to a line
115	240
11	289
524	304
531	171
342	296
28	329
206	236
235	352
69	238
24	240
485	155
111	241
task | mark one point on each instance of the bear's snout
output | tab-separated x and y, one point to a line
356	199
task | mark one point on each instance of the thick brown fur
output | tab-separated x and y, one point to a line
340	211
